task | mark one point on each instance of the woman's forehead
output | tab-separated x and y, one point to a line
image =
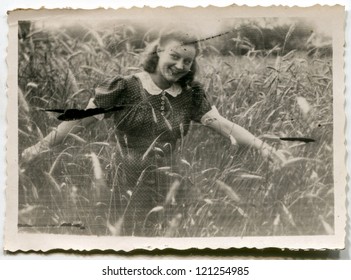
179	47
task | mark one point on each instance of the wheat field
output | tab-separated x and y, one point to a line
226	190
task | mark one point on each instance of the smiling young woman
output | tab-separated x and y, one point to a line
158	106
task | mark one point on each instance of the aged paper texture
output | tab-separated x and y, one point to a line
176	128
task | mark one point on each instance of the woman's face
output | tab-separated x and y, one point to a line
175	61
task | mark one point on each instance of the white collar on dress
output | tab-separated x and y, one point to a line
153	89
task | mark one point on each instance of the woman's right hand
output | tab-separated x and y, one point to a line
32	152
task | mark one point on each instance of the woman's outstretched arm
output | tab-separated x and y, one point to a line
56	137
240	135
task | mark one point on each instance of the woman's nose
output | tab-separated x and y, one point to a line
180	65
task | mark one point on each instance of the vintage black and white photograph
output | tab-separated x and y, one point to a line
208	124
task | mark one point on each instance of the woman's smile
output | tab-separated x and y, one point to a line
177	73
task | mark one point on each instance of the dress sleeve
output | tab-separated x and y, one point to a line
110	93
200	104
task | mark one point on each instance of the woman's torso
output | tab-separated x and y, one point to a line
151	124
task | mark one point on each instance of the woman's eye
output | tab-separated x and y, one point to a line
174	56
188	62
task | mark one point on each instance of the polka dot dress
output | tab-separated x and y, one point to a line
147	129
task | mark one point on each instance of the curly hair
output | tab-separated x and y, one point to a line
150	58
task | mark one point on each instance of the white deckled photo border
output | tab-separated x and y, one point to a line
15	240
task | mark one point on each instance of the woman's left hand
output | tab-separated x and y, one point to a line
278	157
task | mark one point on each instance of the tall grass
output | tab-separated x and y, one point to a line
220	189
